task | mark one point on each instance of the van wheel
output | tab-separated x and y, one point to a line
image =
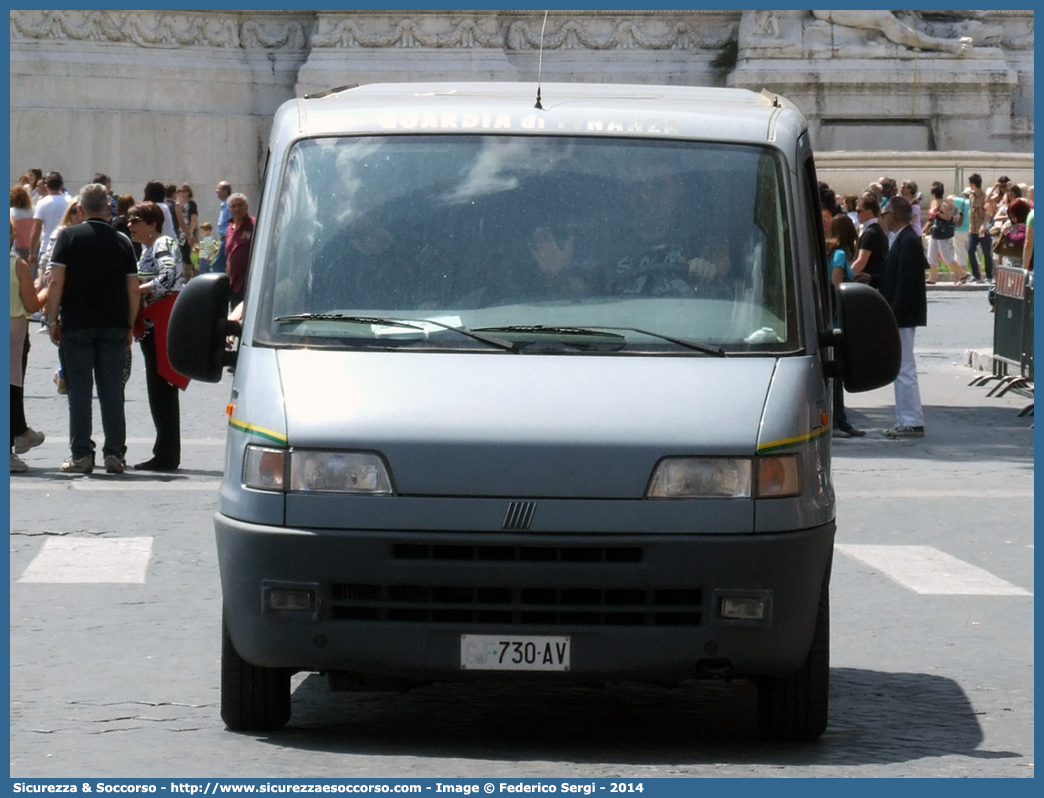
794	708
252	698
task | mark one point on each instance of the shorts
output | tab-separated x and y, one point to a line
940	247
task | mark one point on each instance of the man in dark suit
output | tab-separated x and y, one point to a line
902	284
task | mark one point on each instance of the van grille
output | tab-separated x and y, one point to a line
562	606
568	554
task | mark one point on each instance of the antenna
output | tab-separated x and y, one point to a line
540	62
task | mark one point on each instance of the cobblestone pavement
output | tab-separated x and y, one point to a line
122	679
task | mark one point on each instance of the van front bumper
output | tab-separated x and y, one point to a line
635	607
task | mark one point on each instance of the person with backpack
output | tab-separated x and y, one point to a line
941	228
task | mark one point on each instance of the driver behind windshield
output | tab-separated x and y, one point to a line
662	246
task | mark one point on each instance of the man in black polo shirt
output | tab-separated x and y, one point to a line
873	241
92	303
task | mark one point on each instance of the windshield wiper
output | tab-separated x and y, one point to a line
707	349
347	319
603	332
413	324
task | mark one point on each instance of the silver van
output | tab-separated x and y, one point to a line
532	389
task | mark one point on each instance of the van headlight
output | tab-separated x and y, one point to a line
768	477
700	477
338	472
317	471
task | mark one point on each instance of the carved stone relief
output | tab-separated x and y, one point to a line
162	30
690	31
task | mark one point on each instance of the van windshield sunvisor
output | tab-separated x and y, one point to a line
681	246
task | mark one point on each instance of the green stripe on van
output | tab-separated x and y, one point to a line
260	432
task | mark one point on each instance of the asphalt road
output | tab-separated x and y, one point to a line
928	678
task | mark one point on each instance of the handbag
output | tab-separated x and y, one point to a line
942	228
1004	247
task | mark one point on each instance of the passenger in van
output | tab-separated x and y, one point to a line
371	263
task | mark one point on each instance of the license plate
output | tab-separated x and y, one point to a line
514	653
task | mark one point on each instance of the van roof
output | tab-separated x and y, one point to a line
567	109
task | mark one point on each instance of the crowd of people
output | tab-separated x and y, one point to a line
886	239
99	271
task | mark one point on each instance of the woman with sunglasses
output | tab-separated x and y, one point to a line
161	276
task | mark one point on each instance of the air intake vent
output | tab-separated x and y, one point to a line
516	606
519	516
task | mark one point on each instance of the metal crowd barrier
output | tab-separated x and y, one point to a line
1012	333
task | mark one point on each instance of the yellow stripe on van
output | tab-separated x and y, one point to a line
253	429
786	443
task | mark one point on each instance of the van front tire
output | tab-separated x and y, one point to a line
794	708
252	698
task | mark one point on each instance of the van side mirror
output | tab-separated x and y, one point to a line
198	328
867	341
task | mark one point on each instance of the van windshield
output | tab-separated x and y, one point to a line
530	244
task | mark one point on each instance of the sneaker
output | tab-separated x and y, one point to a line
28	440
59	382
18	465
114	464
841	432
900	431
79	465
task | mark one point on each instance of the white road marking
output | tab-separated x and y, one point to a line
110	484
90	561
842	494
60	441
930	572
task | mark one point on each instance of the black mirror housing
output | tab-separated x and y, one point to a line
198	328
868	346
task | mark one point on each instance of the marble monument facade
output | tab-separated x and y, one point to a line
187	95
